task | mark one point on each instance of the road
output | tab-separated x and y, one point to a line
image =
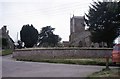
12	68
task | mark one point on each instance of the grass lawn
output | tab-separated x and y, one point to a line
6	52
113	73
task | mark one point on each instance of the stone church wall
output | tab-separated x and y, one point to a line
64	53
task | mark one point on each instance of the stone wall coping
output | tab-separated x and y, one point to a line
63	48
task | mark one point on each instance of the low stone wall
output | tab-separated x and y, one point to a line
58	53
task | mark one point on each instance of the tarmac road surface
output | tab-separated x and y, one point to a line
12	68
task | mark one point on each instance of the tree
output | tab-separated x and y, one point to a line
103	20
29	35
47	37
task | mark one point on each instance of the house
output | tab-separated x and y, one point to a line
7	41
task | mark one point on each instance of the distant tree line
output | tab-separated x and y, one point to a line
31	37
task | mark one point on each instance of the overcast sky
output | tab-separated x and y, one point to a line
41	13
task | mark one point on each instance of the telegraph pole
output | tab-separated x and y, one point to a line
17	36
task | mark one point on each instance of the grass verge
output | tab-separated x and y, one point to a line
113	73
92	61
6	52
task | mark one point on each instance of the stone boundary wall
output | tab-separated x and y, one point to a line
58	53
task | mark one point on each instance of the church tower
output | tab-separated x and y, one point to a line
76	26
78	35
